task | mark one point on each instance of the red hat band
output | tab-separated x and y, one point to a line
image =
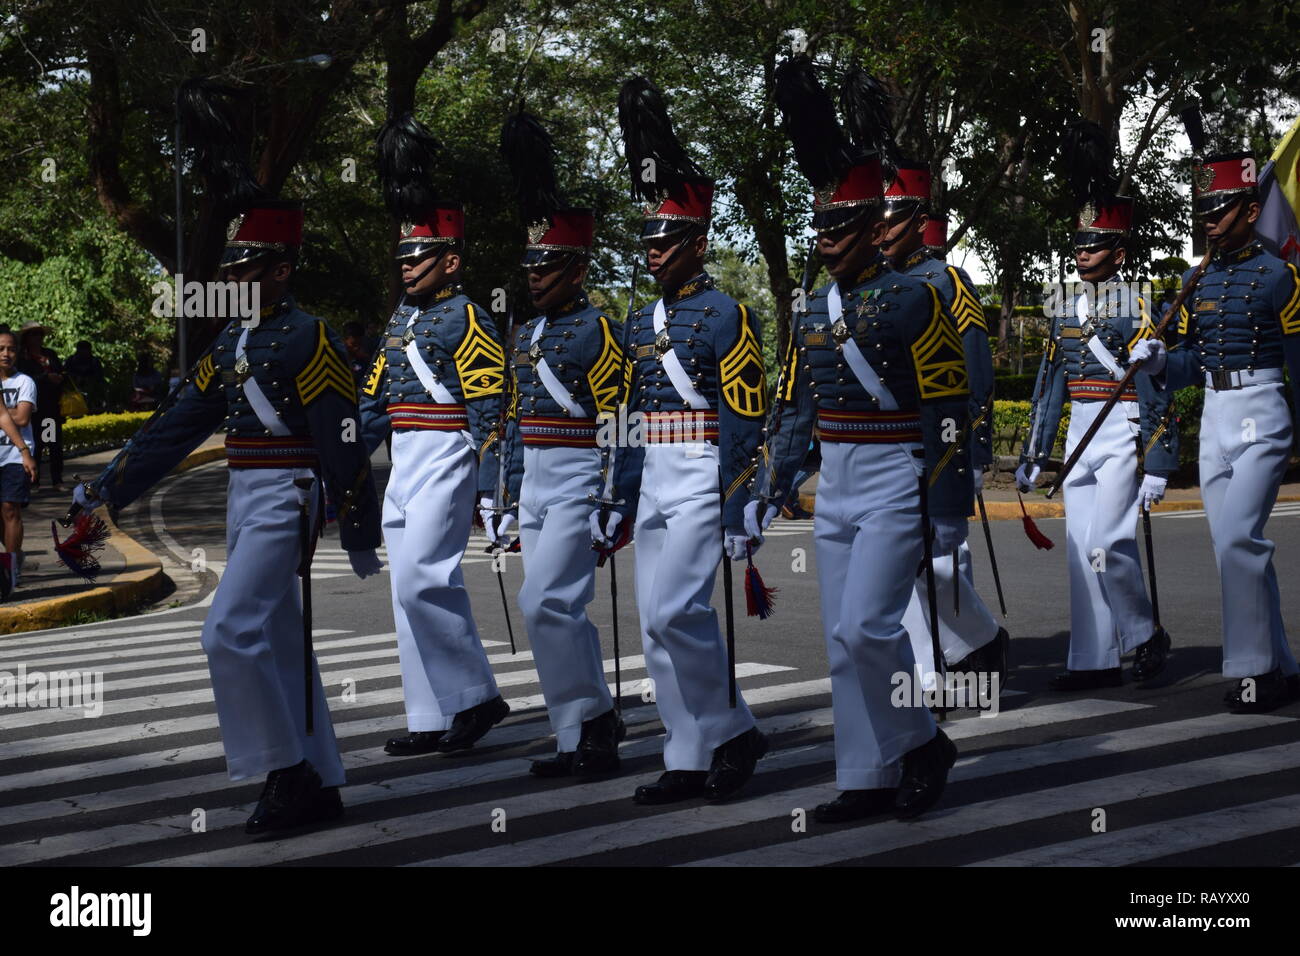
861	186
1112	217
275	226
936	233
691	202
444	222
572	230
911	183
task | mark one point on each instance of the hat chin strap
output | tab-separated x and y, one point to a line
1234	212
433	264
573	258
689	234
834	258
916	211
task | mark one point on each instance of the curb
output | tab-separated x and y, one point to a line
1008	510
142	581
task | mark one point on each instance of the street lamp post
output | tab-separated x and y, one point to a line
320	61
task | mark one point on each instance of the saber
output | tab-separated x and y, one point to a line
618	671
1150	549
932	597
956	582
307	544
731	625
993	558
505	604
508	388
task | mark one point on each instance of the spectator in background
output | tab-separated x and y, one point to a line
44	367
147	386
16	464
173	380
359	351
87	373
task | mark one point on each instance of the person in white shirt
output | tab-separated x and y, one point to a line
17	467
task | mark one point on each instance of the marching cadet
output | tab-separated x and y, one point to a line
569	367
1243	325
436	384
282	388
971	640
936	236
698	385
877	368
1089	345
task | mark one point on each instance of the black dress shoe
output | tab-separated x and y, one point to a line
855	805
925	774
733	764
469	725
1269	692
561	765
987	660
672	787
416	742
1149	658
290	798
598	747
1087	680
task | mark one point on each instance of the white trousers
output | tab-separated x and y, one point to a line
959	633
867	526
678	547
1245	442
253	635
428	510
1110	613
559	583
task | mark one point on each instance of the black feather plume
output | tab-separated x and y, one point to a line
1086	151
865	105
529	152
217	143
648	134
404	154
820	147
1190	114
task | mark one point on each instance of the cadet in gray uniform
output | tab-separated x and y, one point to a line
1242	326
970	638
282	388
568	369
877	368
436	383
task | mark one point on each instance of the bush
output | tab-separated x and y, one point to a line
101	431
1015	388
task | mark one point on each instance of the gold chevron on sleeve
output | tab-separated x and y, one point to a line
479	360
205	373
791	365
325	370
966	308
1145	327
741	373
1289	317
1184	317
376	374
939	357
605	373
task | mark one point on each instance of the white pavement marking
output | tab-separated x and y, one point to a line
392	830
1153	840
156	644
112	799
1079	798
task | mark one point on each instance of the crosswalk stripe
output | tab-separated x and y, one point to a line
1151	841
62	637
1080	797
111	799
511	768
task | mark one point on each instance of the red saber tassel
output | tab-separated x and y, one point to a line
80	551
759	602
1041	541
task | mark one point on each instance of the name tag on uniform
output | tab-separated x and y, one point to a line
645	351
229	376
394	342
817	340
1071	332
1207	305
521	358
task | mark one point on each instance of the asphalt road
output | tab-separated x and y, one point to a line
1179	779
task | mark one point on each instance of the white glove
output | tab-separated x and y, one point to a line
605	537
753	527
1151	353
86	502
1026	476
949	533
979	481
1153	489
496	525
737	544
365	563
504	524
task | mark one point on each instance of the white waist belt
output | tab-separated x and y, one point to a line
1222	379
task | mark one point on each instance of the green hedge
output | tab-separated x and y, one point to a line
100	431
1011	425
